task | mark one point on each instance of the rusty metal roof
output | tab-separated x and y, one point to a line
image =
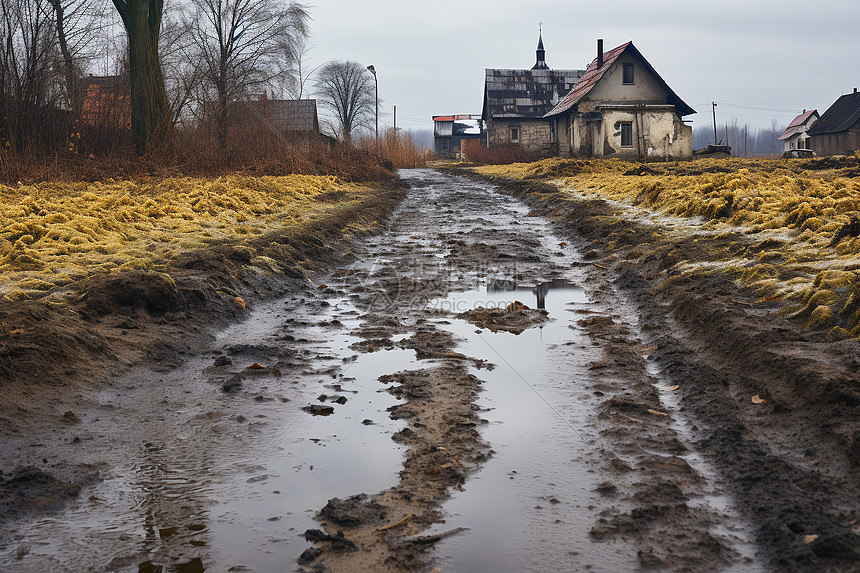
593	74
525	94
796	125
801	119
840	116
459	117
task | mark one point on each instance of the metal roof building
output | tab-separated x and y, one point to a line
837	131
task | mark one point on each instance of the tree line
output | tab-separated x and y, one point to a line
744	140
184	69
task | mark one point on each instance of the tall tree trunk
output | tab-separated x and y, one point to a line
150	118
68	63
221	122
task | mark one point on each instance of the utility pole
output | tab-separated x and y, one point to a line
714	110
372	70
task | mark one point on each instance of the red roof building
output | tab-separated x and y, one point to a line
621	107
794	136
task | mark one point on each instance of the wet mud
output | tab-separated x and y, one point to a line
772	406
472	388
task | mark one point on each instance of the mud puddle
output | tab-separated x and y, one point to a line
234	476
357	405
531	506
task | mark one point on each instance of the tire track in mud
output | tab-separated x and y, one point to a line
653	507
554	460
788	462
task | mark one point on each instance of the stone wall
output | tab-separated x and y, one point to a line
534	135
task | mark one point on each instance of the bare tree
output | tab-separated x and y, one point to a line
182	70
150	117
347	90
296	85
246	46
77	24
27	54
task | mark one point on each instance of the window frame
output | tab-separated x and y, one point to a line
628	69
515	134
629	126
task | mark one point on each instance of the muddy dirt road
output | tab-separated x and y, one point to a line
472	394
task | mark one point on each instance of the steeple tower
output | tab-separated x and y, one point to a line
541	53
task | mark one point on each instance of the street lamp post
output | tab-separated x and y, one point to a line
372	70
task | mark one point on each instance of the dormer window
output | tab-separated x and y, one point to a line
627	74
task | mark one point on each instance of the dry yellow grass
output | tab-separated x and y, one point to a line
52	234
798	210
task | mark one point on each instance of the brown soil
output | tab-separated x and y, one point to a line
790	461
514	318
50	352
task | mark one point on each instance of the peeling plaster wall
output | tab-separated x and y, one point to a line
658	135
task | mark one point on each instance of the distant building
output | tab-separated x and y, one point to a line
107	102
285	116
837	132
516	100
621	107
450	130
795	135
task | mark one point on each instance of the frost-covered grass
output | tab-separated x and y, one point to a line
789	210
52	234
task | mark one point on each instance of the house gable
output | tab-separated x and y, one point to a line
645	87
606	83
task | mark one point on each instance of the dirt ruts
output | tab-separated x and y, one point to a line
51	353
790	458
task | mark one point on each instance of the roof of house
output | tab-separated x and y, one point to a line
796	125
457	117
840	116
593	74
525	94
287	114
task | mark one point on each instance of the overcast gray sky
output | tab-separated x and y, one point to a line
430	56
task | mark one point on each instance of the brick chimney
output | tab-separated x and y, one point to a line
600	53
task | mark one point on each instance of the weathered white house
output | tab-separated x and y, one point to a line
621	107
795	136
516	100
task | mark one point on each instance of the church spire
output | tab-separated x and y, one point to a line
541	53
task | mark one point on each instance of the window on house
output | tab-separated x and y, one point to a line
553	135
515	135
627	73
627	134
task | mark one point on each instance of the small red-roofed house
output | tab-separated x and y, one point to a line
795	136
622	108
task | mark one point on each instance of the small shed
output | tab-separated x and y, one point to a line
795	135
837	132
450	130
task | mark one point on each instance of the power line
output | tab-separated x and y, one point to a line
754	107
